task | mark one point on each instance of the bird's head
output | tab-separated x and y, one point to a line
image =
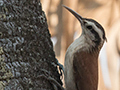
91	29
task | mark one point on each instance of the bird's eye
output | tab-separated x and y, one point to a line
89	27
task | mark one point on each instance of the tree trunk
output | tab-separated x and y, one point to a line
27	59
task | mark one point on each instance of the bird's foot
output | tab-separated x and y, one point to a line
61	68
52	80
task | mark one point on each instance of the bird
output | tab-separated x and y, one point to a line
81	58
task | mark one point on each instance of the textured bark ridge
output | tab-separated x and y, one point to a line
26	50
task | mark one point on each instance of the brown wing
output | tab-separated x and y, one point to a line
85	66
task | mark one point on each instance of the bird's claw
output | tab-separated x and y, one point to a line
52	80
61	68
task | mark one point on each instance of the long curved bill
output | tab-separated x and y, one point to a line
74	13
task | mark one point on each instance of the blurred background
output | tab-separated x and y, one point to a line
65	28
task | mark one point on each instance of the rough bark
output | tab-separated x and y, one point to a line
26	51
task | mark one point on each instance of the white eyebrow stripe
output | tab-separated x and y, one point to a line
100	33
